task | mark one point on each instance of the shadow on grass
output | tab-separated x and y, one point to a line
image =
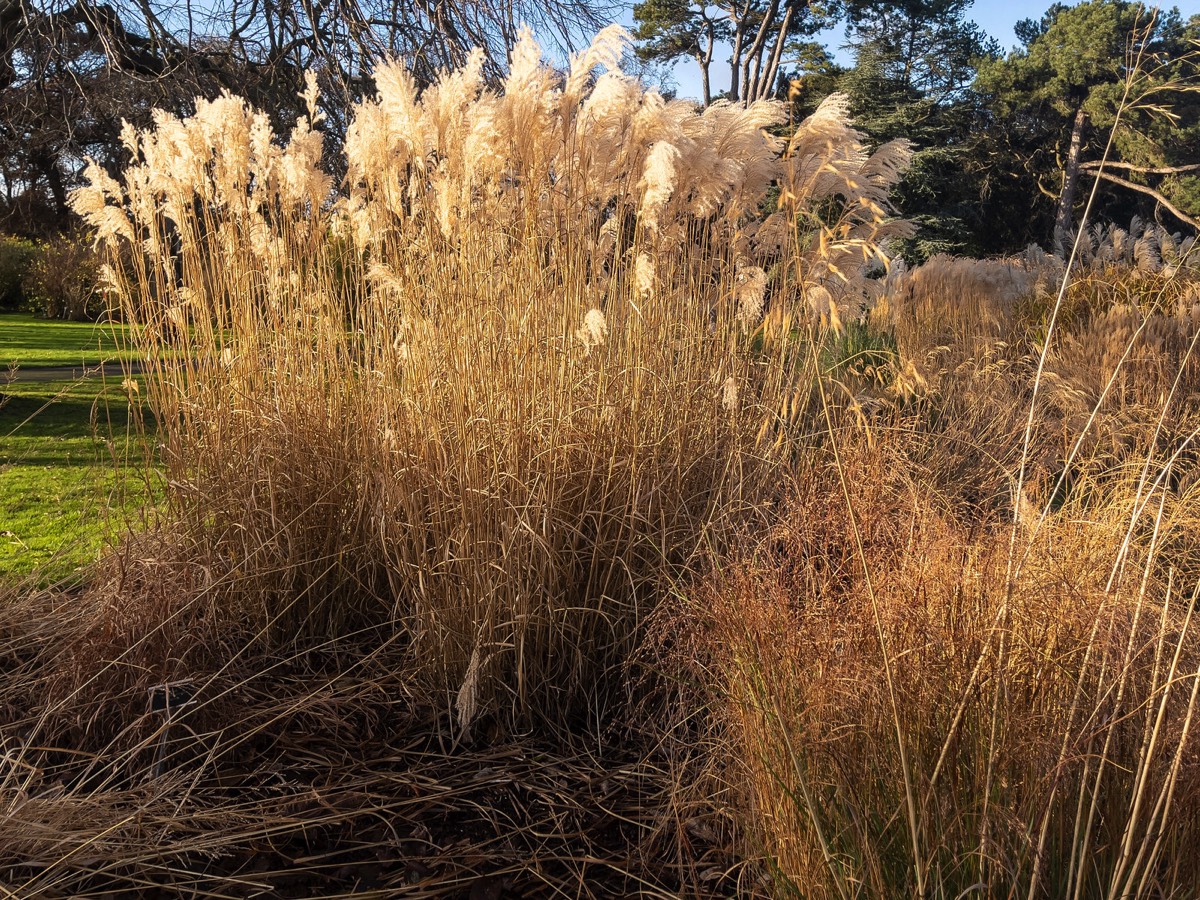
69	463
50	416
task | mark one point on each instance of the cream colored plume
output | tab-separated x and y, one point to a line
643	274
729	395
640	178
594	330
658	181
826	162
751	294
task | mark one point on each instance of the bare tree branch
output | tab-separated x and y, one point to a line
1151	192
1142	170
71	70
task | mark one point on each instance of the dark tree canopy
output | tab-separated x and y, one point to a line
915	63
71	71
1055	101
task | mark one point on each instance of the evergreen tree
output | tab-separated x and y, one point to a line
1055	100
915	61
813	76
757	32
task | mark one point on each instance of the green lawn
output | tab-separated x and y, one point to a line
69	459
29	342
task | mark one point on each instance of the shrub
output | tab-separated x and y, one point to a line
61	281
897	712
16	256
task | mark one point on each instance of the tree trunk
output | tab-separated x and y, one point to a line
47	165
750	75
705	60
735	61
767	87
752	63
1064	217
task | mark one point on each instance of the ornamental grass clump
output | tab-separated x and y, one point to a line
1045	731
568	401
481	395
963	659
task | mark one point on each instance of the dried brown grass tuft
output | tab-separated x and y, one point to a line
1048	728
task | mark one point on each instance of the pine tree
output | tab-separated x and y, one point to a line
915	61
1057	98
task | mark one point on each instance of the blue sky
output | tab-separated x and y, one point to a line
997	19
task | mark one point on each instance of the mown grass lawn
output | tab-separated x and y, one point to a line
30	342
70	463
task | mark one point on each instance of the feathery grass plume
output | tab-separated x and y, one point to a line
751	294
606	49
908	383
826	163
1146	254
822	308
91	202
1146	246
729	394
658	182
594	329
643	274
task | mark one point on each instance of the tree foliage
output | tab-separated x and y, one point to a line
1054	103
915	63
71	71
758	34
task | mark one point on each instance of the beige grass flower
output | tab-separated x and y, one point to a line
751	293
643	274
594	330
729	395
